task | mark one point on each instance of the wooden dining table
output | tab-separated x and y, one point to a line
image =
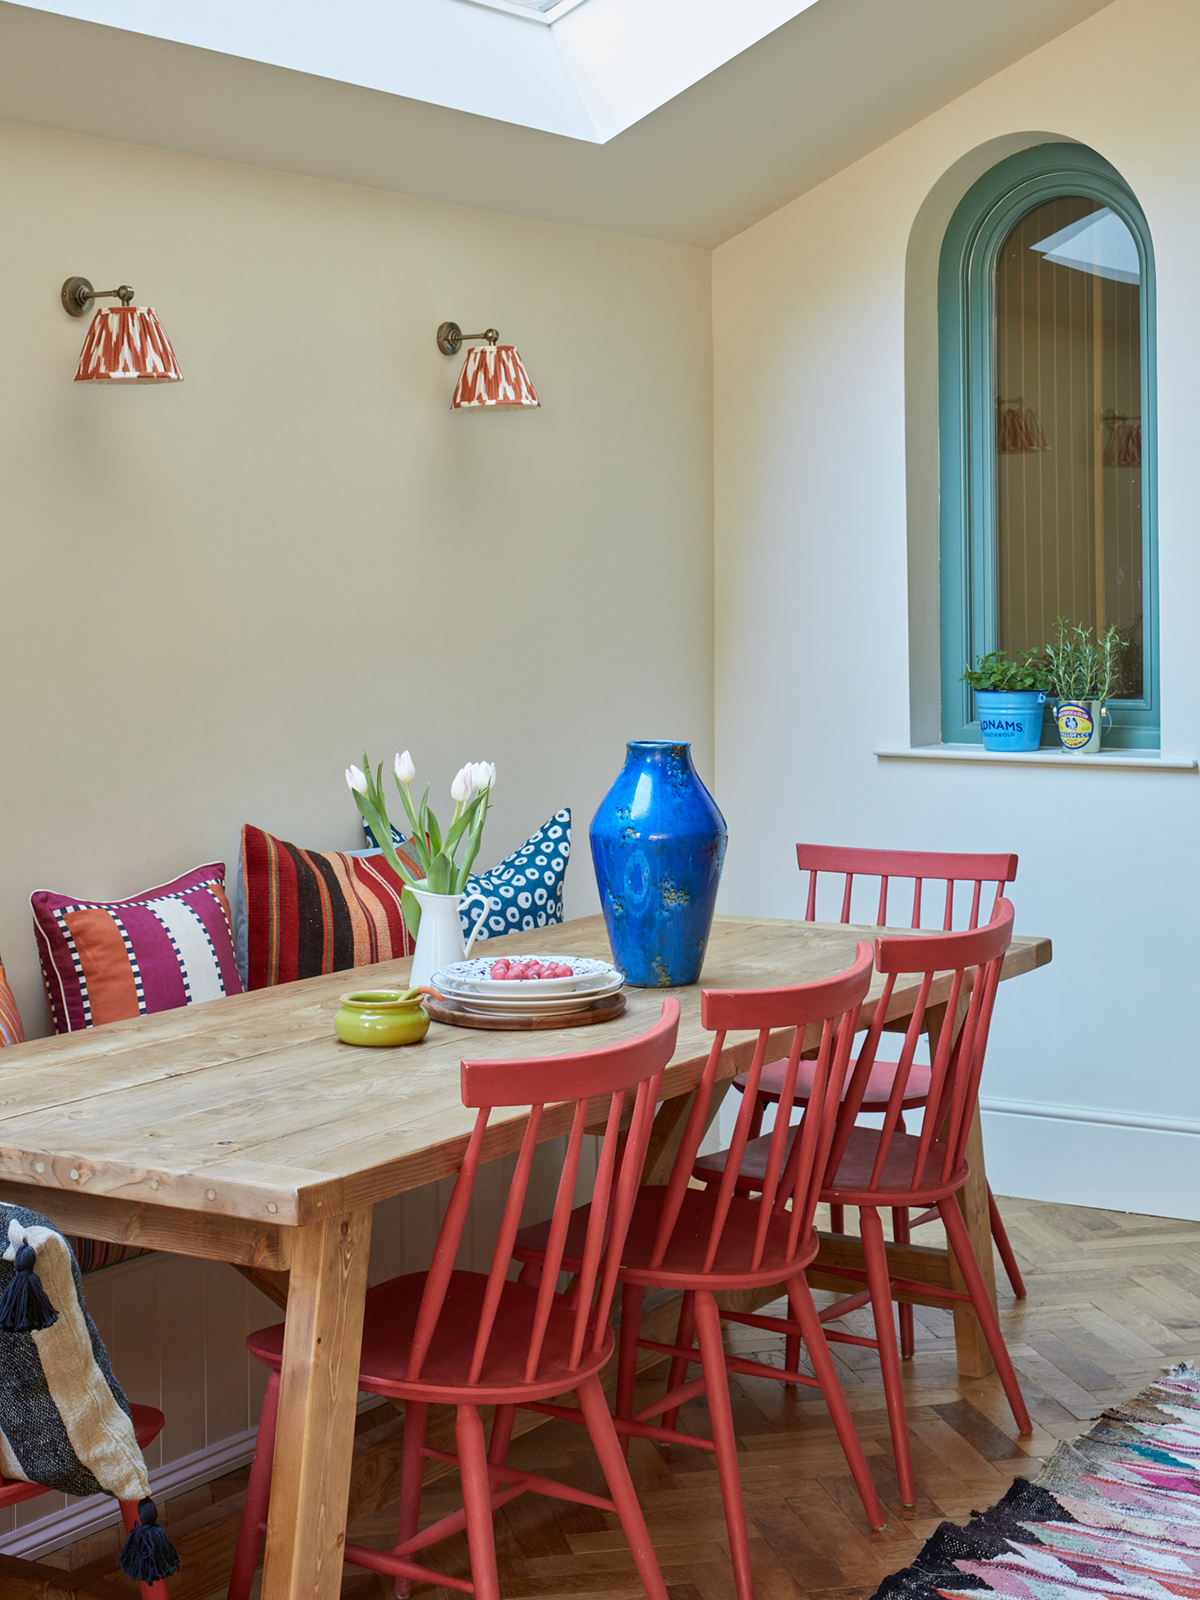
242	1130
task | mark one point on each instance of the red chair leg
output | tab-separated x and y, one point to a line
150	1591
875	1257
477	1499
501	1438
412	1463
904	1313
791	1353
620	1486
801	1301
258	1497
761	1102
837	1219
959	1241
631	1322
720	1411
1000	1236
685	1335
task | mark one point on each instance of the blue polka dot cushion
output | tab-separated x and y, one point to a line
524	891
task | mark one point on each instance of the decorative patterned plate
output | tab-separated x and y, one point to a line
536	1005
475	977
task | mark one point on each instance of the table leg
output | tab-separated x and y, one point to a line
974	1357
306	1525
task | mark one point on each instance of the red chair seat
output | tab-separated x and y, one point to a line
852	1185
879	1085
147	1425
391	1315
684	1259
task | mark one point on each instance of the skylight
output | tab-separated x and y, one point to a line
588	70
526	5
547	11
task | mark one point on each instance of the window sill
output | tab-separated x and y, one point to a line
1142	760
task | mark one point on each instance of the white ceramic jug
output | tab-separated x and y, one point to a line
440	937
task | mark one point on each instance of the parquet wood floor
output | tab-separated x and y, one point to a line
1112	1298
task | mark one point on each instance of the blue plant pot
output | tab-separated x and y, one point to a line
658	845
1010	720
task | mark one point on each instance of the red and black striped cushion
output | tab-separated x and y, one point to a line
314	911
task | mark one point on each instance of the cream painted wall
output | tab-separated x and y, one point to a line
826	518
216	593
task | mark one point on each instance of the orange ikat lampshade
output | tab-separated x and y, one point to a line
126	344
494	375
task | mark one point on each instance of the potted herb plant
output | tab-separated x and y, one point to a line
1009	696
1083	669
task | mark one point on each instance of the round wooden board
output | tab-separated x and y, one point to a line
458	1016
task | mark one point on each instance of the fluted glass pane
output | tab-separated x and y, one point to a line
1068	429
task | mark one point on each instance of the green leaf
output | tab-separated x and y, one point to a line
473	843
435	833
465	820
407	803
410	908
441	872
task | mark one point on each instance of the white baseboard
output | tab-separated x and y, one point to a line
81	1518
1077	1155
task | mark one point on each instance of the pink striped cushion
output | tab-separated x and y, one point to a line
11	1031
106	960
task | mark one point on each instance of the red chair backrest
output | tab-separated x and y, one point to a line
973	960
608	1073
832	1004
916	866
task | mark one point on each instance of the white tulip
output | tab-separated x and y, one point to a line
463	788
484	774
405	770
357	779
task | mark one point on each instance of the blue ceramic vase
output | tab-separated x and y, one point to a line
658	844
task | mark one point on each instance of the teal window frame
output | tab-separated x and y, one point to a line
966	360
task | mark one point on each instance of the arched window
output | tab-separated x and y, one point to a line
1046	396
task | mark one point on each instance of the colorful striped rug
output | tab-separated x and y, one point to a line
1116	1513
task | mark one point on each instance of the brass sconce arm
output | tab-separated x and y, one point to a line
78	296
450	337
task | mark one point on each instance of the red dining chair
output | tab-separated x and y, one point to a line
472	1339
872	1168
147	1425
862	870
701	1242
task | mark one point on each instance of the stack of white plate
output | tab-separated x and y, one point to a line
470	984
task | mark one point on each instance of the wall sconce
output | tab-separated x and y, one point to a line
493	375
125	343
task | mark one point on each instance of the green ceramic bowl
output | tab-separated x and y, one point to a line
381	1017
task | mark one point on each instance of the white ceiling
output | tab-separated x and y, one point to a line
720	153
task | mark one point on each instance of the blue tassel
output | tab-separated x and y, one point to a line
148	1554
25	1306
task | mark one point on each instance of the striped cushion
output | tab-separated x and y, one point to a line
11	1031
314	911
106	960
92	1254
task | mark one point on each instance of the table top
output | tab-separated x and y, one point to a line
250	1107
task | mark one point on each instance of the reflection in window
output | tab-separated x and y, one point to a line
1068	429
